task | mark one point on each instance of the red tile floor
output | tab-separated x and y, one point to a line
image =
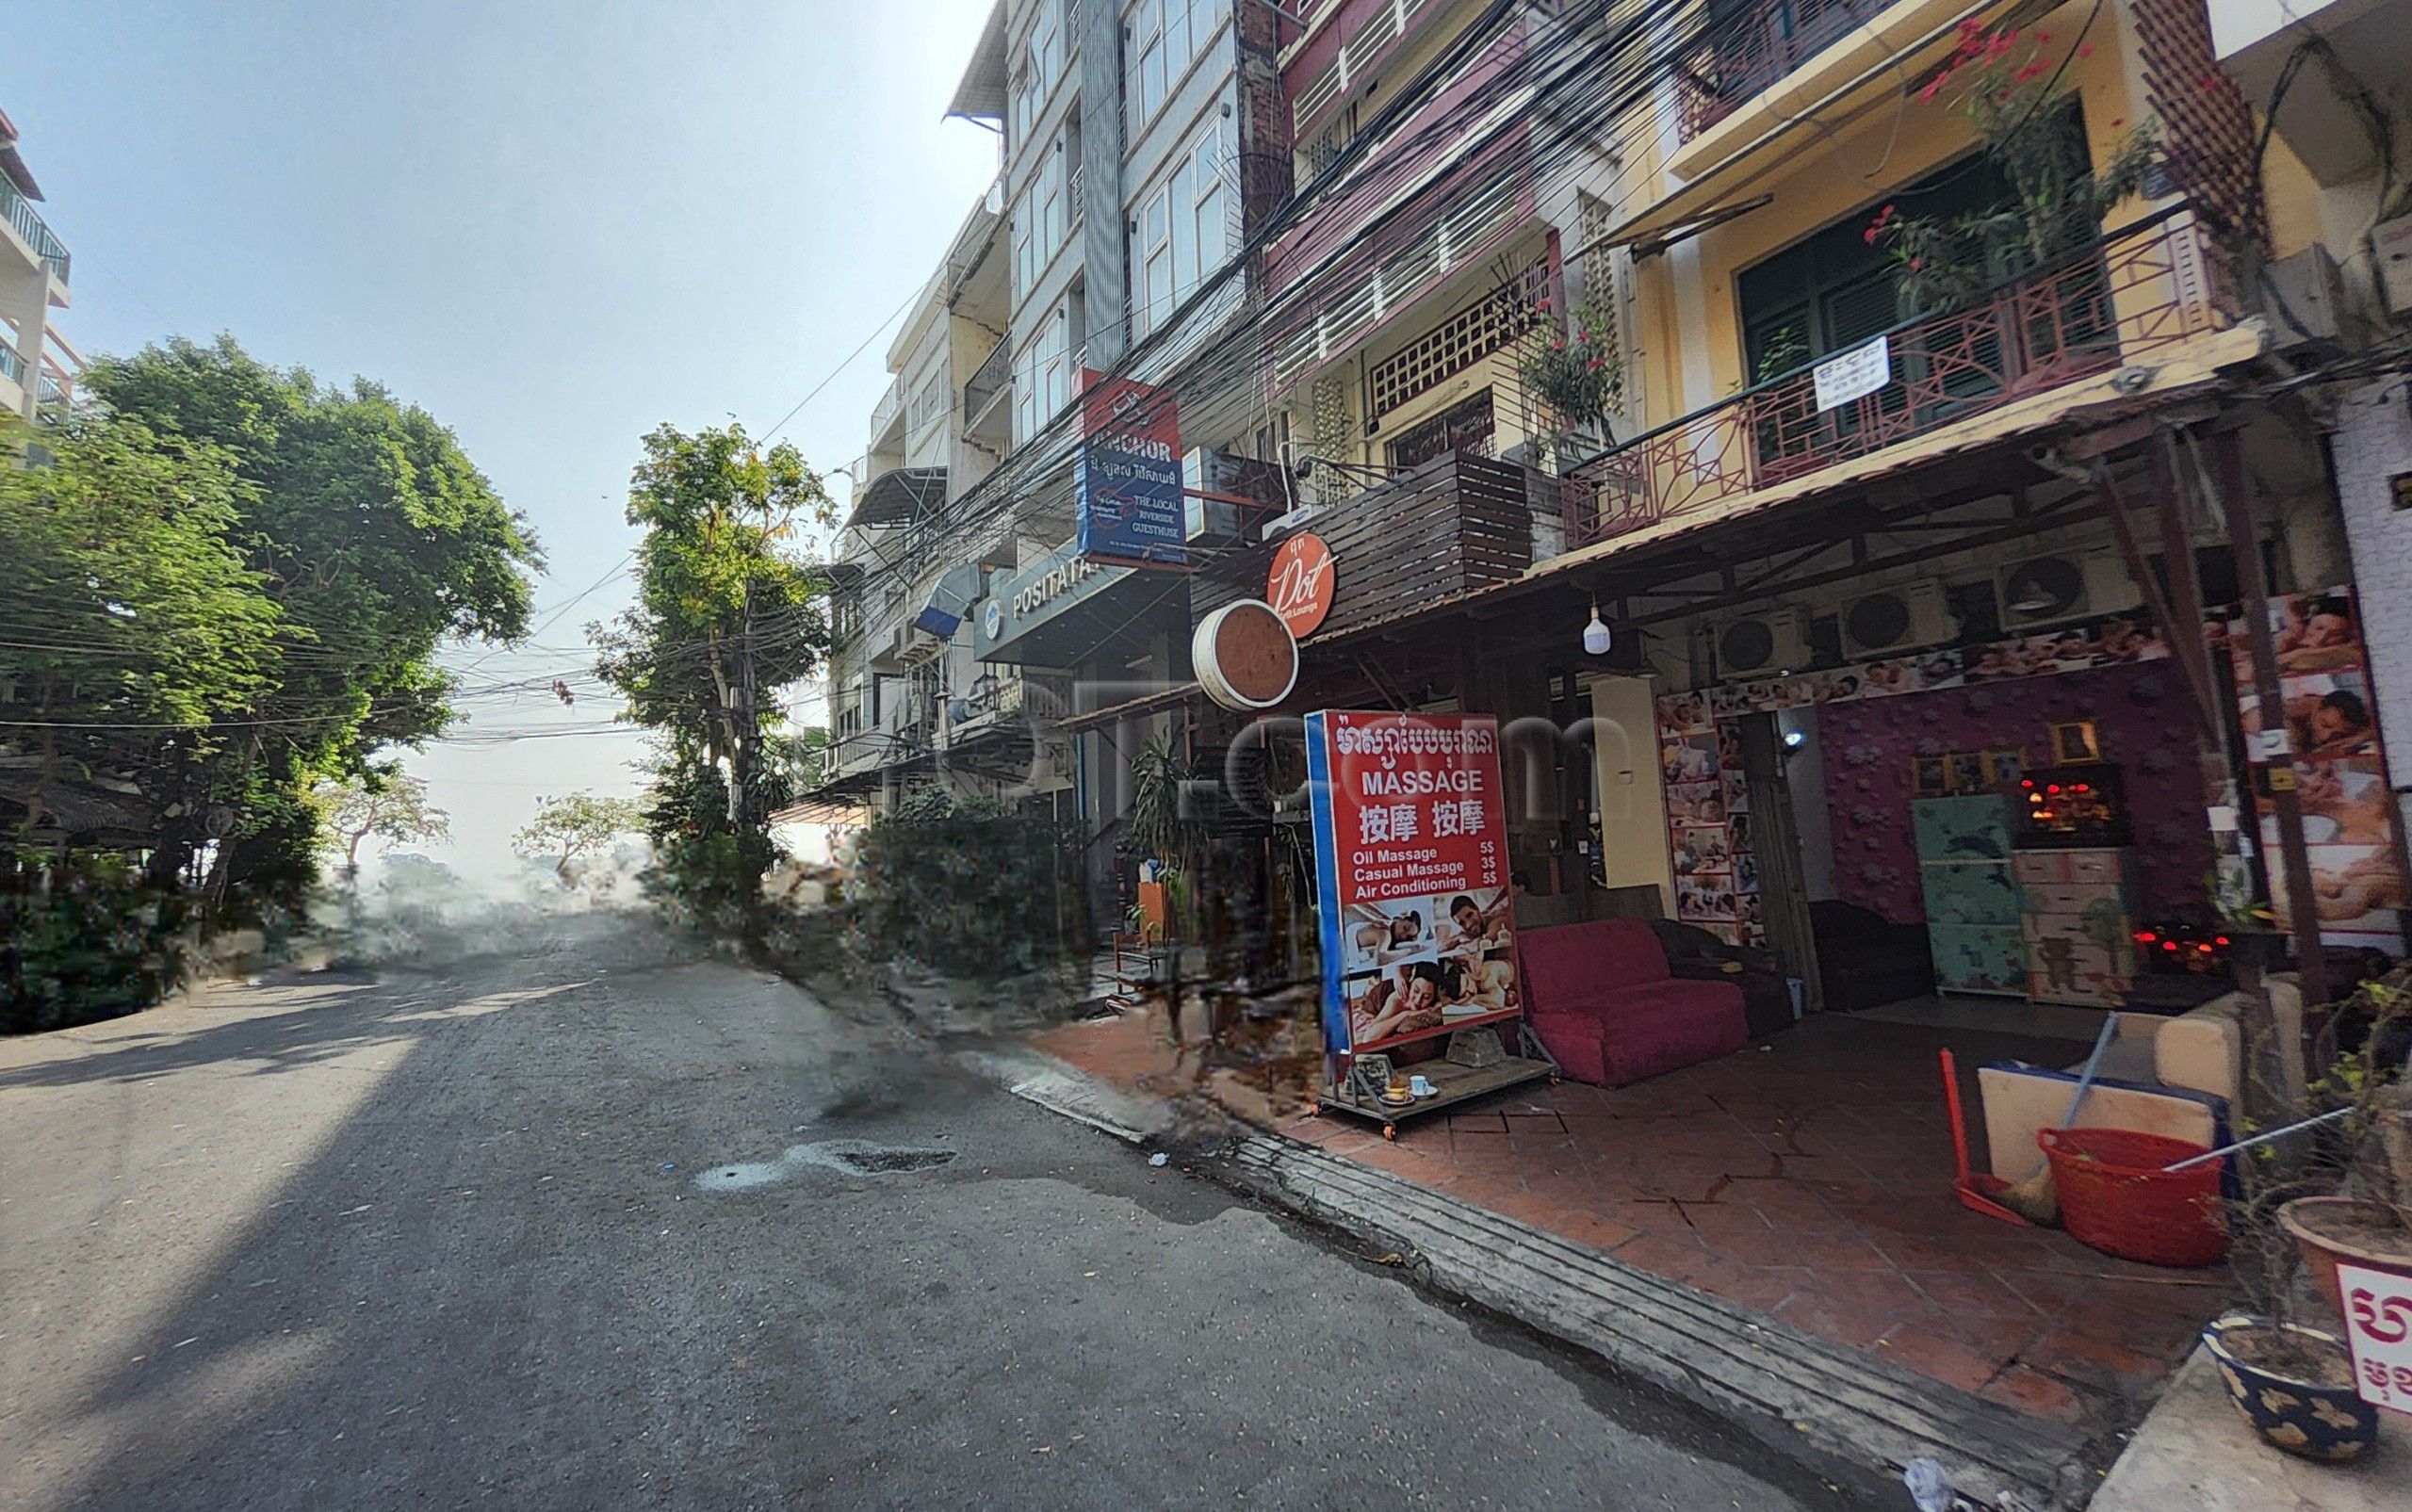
1810	1179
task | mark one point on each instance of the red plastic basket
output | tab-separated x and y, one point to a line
2114	1196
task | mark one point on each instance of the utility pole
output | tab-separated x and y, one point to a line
744	750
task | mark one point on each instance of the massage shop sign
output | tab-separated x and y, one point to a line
1417	913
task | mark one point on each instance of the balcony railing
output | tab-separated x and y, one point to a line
1745	55
12	366
1076	191
884	413
31	226
990	378
2150	286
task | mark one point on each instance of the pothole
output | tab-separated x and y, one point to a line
851	1157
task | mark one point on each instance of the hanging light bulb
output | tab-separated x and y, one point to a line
1597	638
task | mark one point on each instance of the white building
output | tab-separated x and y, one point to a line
38	368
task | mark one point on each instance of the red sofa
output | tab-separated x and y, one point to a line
1602	998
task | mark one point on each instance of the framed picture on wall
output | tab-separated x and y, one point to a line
2004	765
1930	776
2075	740
1965	772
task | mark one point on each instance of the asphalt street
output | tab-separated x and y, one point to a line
595	1221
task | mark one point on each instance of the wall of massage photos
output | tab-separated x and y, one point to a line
1709	824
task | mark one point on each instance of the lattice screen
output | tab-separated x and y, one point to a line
2206	124
1461	340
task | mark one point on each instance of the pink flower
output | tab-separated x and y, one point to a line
1916	263
1595	365
1933	88
2029	73
2116	121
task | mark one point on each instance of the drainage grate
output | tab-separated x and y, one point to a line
877	1161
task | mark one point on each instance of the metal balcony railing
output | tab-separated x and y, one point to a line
1745	55
36	231
1076	195
885	411
994	375
2149	286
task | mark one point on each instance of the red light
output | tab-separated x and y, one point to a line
2169	945
2054	787
2028	783
2085	786
2205	948
2146	937
2221	940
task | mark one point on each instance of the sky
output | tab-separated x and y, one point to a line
554	224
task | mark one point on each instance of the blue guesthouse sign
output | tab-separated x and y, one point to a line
1127	482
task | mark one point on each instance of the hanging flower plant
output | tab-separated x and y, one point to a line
2002	85
1579	378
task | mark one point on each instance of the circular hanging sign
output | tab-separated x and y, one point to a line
1245	657
1299	583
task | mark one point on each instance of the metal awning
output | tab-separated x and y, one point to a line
898	495
981	94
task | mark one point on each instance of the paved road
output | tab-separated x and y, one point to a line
575	1227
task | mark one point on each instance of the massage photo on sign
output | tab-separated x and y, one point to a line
1422	996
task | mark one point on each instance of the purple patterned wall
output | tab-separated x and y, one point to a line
2140	712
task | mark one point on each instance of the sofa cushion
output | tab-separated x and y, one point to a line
1573	1042
1575	964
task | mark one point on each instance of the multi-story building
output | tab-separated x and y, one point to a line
1132	174
38	368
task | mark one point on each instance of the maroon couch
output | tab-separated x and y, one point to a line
1602	998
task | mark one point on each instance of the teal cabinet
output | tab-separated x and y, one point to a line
1974	907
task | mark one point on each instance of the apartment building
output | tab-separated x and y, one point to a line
1129	175
37	367
1853	448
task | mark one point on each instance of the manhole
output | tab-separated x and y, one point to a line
853	1157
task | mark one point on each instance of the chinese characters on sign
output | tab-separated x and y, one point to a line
1126	483
2378	1327
1412	858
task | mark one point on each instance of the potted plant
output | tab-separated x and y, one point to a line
1580	377
2367	1220
2292	1381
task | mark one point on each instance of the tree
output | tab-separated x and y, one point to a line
138	634
389	805
575	824
727	609
374	537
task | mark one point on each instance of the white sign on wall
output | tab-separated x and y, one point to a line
2378	1326
1855	374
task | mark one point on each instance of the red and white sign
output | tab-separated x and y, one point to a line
2378	1327
1300	582
1411	846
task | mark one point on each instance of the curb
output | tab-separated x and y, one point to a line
1839	1411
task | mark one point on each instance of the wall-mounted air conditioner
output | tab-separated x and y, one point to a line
1763	644
2064	585
1891	620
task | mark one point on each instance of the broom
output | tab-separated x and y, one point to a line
2034	1198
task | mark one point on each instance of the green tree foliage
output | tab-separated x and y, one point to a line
728	610
964	886
574	825
375	539
388	803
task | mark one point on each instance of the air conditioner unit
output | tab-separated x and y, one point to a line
2065	585
1892	620
1756	644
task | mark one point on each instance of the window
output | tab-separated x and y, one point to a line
1043	376
1467	426
1044	220
1161	36
1184	232
1042	61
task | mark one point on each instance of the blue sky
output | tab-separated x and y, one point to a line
554	223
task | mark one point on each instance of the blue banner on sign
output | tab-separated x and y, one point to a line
1126	481
1328	913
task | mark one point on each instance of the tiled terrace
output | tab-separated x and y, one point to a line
1810	1179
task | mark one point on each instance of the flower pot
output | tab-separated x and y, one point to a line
2315	1419
2330	1229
